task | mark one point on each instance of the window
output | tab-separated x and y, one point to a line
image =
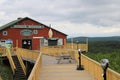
35	31
4	33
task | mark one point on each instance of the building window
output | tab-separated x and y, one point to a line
4	33
35	31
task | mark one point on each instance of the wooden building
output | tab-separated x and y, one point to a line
30	34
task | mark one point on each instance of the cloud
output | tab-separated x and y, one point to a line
96	16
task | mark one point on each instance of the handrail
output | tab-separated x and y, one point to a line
21	63
90	65
9	56
36	69
32	55
112	75
2	50
94	68
0	78
28	54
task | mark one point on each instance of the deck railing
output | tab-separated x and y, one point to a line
2	50
82	46
0	78
90	65
31	55
27	54
21	63
36	69
94	68
9	56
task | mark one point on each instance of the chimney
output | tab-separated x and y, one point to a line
19	18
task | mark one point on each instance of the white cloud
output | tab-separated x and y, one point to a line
85	29
73	17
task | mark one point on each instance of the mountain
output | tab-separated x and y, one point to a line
93	39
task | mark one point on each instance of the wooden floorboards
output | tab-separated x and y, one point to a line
63	71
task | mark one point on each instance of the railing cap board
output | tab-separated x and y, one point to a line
33	70
116	73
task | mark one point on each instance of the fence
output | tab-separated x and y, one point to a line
0	78
36	69
91	66
74	46
9	56
28	54
31	55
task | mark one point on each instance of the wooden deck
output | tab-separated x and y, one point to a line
51	70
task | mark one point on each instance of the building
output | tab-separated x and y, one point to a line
30	34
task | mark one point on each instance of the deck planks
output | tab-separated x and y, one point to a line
50	70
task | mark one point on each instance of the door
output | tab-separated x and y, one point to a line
27	44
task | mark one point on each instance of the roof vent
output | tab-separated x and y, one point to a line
19	18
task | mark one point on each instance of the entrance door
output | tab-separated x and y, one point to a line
27	43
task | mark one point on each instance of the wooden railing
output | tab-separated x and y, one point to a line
28	54
93	67
74	46
21	63
31	55
2	50
90	65
36	69
0	78
54	51
9	56
112	75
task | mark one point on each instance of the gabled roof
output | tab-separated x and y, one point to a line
21	19
10	23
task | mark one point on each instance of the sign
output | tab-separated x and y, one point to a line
28	26
50	33
8	43
26	32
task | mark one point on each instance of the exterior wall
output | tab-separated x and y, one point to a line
14	34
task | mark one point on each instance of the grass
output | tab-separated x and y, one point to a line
6	72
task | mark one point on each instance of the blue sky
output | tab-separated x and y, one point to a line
73	17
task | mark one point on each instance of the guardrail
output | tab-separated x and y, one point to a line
54	51
0	78
28	54
2	50
21	63
36	69
82	46
94	68
9	56
31	55
90	65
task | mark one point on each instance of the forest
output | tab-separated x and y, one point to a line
106	49
103	47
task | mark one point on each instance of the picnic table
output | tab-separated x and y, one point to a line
64	57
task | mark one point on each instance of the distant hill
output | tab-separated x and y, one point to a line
94	39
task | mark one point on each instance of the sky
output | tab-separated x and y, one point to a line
91	18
